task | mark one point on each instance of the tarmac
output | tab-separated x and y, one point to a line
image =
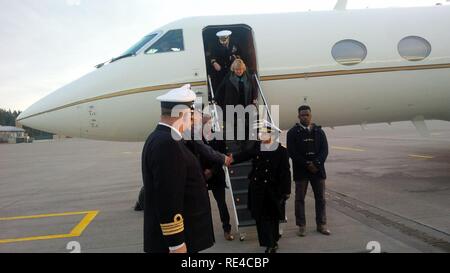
388	190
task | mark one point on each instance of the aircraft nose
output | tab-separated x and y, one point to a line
44	116
58	112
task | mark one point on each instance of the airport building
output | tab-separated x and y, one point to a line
12	135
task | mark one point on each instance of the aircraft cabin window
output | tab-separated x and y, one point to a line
172	41
135	48
349	52
414	48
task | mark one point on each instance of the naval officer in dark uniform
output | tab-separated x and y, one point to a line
269	188
223	54
177	215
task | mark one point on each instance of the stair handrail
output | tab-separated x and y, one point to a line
214	114
266	105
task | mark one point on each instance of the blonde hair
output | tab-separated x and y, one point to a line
238	63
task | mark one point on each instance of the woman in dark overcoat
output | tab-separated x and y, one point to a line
269	188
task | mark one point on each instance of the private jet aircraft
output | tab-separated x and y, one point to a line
351	66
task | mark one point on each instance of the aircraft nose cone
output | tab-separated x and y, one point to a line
57	120
59	111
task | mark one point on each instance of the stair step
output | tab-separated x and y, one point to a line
247	223
240	192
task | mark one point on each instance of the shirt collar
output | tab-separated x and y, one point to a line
173	129
304	127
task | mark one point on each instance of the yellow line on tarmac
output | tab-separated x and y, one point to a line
44	215
76	231
421	156
36	238
347	149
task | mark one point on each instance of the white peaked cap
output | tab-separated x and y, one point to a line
224	33
182	95
262	124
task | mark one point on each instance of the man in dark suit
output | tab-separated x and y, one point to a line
214	172
308	148
177	215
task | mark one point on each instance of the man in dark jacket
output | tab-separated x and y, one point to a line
215	178
223	55
211	155
308	148
177	215
202	151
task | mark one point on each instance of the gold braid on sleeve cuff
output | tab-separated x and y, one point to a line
177	226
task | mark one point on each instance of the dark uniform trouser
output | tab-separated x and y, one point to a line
219	195
268	231
301	188
217	78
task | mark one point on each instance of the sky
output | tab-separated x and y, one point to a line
46	44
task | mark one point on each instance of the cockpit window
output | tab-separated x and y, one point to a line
135	48
172	41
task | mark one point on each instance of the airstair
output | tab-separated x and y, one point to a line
237	175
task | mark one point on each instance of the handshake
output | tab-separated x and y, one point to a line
228	160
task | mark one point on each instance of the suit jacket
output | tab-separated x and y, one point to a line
210	159
177	207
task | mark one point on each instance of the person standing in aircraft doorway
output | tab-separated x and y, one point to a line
223	55
237	88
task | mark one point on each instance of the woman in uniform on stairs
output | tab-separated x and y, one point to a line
270	186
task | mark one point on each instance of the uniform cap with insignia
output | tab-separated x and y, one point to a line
180	96
224	34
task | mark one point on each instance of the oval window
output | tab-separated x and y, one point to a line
414	48
349	52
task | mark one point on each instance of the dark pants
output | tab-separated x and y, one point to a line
268	232
217	79
219	195
301	188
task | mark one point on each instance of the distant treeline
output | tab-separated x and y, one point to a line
8	118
